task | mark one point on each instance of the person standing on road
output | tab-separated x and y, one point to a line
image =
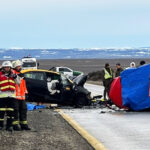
142	62
132	65
20	110
8	80
107	79
119	70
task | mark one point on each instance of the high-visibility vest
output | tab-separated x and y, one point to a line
107	74
21	89
6	83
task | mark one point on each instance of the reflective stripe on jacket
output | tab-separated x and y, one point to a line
21	89
8	94
6	83
23	122
107	74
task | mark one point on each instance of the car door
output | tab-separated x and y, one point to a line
67	92
36	85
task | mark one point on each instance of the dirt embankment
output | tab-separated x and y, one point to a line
91	67
49	132
87	65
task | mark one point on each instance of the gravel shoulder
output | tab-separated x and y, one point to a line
49	132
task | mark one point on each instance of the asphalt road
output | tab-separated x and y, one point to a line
49	131
114	129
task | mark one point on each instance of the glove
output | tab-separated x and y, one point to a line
13	76
21	75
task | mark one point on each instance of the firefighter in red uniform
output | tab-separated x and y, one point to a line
20	112
7	94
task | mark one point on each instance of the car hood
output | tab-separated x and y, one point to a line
80	80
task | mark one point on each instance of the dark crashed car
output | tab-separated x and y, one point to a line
70	92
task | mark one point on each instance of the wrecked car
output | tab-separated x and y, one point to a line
52	87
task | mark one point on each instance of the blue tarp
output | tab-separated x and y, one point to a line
33	106
135	87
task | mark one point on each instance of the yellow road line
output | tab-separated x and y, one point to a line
90	139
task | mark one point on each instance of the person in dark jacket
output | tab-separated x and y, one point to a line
107	79
142	62
119	70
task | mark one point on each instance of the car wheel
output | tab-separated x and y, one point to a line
81	101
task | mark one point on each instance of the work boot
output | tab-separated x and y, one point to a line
16	128
9	128
110	102
25	127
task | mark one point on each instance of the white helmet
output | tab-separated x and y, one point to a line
7	64
16	63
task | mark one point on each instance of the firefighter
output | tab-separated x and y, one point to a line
7	94
20	110
107	79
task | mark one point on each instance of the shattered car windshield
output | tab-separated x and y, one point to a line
65	81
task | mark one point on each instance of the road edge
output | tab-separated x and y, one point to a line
97	145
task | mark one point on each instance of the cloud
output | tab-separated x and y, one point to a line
55	22
16	48
10	6
5	4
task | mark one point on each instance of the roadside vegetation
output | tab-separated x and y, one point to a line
95	76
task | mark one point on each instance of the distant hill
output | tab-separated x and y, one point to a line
76	53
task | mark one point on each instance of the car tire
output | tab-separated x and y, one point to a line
81	101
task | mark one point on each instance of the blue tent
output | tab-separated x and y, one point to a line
135	87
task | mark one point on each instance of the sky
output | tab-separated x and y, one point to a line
74	23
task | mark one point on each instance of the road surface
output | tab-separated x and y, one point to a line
114	129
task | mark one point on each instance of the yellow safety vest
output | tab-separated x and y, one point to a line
107	75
